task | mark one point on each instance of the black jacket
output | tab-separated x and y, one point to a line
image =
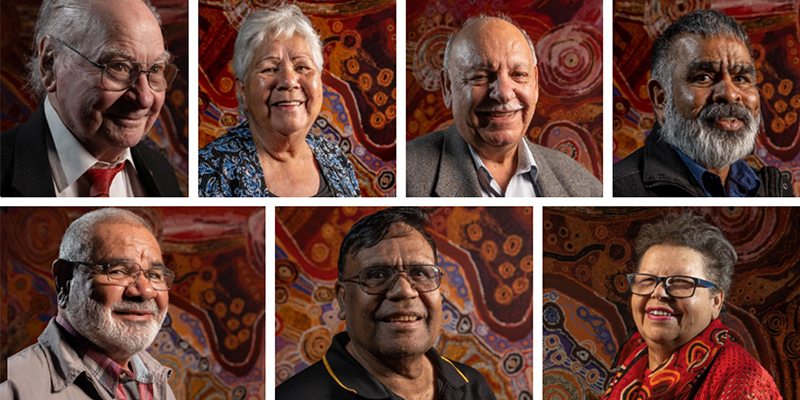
656	169
344	378
25	168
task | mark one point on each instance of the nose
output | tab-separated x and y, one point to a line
660	291
402	288
140	92
502	89
142	288
287	79
725	91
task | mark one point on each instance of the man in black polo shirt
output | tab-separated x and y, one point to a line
388	293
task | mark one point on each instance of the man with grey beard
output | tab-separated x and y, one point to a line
707	106
112	289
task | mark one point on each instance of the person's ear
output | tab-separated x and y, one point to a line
46	62
241	94
658	97
717	301
446	92
339	290
63	272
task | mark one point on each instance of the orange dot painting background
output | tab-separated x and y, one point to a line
213	336
487	290
359	107
170	134
586	303
568	40
774	29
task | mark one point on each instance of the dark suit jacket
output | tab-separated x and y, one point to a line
439	164
25	168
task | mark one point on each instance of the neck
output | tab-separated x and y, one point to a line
502	163
658	354
278	147
409	377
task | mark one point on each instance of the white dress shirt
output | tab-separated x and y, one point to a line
522	184
69	160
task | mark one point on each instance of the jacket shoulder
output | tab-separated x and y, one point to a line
423	156
561	175
29	373
628	181
313	382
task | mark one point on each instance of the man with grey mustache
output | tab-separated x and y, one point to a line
707	107
491	83
112	290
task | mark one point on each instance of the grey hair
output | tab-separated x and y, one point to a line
706	23
80	238
70	20
284	21
692	231
484	18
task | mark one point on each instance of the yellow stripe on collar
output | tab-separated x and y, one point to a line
330	371
459	372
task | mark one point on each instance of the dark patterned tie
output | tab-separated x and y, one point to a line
100	179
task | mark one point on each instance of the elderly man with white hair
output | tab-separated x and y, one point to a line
112	289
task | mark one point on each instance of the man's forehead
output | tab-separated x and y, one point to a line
492	33
401	236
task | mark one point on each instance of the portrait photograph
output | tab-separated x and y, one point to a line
482	307
732	271
207	280
347	99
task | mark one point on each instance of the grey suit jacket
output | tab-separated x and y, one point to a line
439	164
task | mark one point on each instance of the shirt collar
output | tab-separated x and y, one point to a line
351	376
522	184
69	160
104	369
742	181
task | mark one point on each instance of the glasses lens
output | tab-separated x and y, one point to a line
377	277
680	286
642	284
161	76
424	277
123	274
119	75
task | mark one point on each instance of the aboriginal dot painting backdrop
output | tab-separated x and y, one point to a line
587	253
487	295
169	135
567	36
359	107
213	336
774	29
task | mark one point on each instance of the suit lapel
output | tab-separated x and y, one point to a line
32	177
457	176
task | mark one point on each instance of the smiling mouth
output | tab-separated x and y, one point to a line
287	103
498	114
660	313
402	318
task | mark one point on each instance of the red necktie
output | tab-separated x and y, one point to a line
100	179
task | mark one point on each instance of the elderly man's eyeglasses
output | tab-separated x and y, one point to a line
126	273
678	286
379	280
119	75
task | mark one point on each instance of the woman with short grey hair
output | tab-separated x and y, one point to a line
278	66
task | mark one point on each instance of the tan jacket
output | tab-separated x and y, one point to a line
52	369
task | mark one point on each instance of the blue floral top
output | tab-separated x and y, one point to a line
229	167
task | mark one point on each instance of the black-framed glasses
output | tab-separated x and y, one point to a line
678	286
119	75
381	279
126	273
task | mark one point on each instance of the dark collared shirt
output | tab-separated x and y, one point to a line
742	181
339	376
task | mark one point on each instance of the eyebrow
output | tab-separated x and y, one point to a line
117	54
714	66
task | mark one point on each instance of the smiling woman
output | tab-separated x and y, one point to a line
278	63
681	349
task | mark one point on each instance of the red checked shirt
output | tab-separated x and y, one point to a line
121	383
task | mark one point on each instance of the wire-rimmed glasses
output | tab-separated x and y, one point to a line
381	279
126	273
119	75
678	286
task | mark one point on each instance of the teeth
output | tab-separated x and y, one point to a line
502	115
661	313
288	103
403	318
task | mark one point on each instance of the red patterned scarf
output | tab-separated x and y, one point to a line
677	378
